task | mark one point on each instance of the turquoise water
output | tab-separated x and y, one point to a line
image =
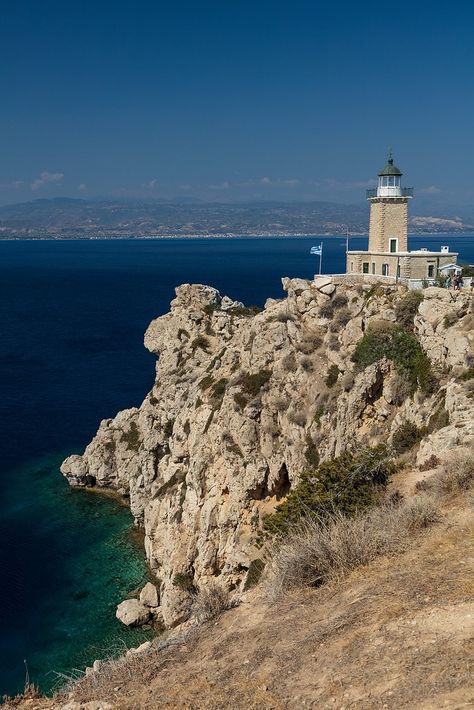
72	318
67	610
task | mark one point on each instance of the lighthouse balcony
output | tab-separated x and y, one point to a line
389	191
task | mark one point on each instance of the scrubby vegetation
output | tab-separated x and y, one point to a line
251	384
168	428
450	319
318	550
347	484
131	437
467	375
407	307
406	436
385	339
455	476
202	342
209	602
244	311
218	390
331	377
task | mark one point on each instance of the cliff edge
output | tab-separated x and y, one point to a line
245	401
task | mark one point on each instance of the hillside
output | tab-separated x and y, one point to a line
65	218
248	428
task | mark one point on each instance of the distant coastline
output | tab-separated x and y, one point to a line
269	235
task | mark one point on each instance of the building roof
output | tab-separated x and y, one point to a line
455	267
390	168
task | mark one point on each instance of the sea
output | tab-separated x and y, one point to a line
72	319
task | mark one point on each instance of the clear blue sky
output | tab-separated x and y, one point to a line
235	100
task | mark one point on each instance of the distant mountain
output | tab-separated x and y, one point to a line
68	218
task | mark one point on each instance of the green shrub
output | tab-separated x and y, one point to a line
131	437
327	310
406	436
210	308
245	311
218	390
390	341
168	428
407	307
310	343
184	581
183	332
343	316
331	377
111	446
438	420
318	414
467	375
311	453
339	301
153	400
251	384
289	363
217	357
450	319
241	400
201	342
346	484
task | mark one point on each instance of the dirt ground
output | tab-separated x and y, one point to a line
396	634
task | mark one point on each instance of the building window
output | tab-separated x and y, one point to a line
393	246
365	267
352	267
430	271
373	268
398	271
385	269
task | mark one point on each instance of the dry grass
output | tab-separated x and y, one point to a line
455	476
322	550
210	602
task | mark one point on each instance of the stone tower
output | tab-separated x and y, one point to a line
388	228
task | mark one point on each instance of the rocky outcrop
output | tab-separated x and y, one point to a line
243	402
132	612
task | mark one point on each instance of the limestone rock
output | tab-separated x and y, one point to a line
131	612
238	400
149	595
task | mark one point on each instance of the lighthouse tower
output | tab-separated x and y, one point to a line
388	229
388	258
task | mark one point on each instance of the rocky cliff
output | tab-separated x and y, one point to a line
245	401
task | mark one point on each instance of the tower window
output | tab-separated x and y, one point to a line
393	246
385	269
373	268
365	267
352	266
430	271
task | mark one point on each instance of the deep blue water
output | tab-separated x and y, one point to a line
72	317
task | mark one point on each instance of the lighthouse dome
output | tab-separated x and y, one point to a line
390	169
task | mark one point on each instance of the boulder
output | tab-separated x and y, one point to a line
132	612
149	595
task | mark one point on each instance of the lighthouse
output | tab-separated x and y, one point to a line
388	257
388	228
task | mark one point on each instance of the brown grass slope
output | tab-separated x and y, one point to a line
396	633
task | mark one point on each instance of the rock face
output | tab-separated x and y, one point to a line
241	403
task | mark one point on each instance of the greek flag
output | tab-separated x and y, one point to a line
316	250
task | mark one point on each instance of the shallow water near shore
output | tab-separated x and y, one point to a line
72	318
